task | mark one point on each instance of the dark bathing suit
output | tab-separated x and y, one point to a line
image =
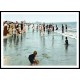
31	58
21	26
66	42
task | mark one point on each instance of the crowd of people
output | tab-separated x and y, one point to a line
11	28
16	28
49	27
42	28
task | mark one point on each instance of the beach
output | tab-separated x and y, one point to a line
51	49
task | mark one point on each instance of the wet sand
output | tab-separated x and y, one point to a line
6	60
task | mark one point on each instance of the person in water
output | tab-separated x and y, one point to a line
53	28
32	59
66	41
66	27
62	28
21	26
33	27
56	27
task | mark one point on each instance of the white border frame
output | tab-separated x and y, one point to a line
2	66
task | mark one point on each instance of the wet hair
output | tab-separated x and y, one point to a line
35	52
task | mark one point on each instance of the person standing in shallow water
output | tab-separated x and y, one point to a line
53	28
44	27
48	30
66	41
62	28
32	59
66	44
33	27
21	26
56	27
66	27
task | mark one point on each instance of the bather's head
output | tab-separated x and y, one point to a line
35	53
66	38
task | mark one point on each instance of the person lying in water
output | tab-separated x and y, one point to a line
32	59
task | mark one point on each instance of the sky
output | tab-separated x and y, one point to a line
40	16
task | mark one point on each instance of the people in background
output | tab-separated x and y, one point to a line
62	28
56	27
66	27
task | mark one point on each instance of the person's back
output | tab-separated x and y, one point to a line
32	58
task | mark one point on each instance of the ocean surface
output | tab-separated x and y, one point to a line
50	47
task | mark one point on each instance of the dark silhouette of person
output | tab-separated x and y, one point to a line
56	27
62	28
32	58
66	27
53	28
66	41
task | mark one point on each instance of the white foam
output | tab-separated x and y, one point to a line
68	34
72	29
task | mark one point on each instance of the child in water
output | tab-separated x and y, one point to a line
32	59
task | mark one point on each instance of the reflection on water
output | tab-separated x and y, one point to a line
10	41
14	37
21	37
52	40
62	37
17	40
5	43
66	48
50	48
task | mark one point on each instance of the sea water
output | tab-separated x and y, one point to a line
51	49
